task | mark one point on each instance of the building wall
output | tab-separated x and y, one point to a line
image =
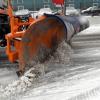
22	4
37	4
83	4
33	4
96	3
0	3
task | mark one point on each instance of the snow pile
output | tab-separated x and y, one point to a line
22	12
43	11
18	86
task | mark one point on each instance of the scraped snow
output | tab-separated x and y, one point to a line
64	90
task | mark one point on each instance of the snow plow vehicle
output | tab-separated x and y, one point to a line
32	39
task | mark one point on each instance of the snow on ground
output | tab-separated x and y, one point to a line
94	29
93	19
7	70
7	76
78	87
63	82
95	26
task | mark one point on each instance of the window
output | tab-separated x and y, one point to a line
20	7
71	5
95	4
95	0
70	0
19	1
46	1
46	6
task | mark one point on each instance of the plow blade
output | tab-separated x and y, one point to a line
41	39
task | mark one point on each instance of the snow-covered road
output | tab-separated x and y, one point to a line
79	87
78	80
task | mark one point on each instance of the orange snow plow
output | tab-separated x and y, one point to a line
36	39
43	36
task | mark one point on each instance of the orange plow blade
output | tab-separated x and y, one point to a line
41	39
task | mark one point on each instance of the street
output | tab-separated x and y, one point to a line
77	80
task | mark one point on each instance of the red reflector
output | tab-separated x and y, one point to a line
58	2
